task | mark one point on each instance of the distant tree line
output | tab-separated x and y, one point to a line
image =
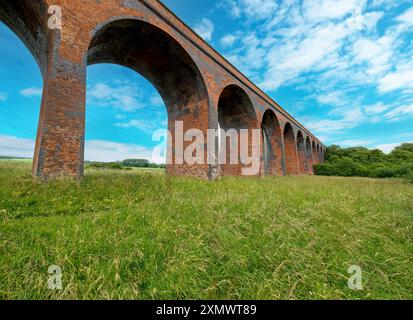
125	164
11	158
362	162
140	163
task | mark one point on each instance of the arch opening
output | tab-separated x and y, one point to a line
159	58
322	155
235	112
123	111
309	156
272	145
301	149
28	20
290	146
22	87
314	153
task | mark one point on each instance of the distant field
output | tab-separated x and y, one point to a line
141	235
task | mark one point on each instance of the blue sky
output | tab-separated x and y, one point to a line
342	68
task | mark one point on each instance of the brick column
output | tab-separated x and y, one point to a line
59	147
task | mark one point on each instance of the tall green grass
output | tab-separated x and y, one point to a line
141	235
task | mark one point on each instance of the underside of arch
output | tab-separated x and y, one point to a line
28	19
309	156
291	157
302	162
158	57
235	112
272	145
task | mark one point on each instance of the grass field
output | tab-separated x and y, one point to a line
140	235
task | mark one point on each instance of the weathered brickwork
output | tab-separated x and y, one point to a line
273	159
199	87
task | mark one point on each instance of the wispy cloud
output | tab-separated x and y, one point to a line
205	29
107	151
402	78
377	108
389	147
406	17
343	119
331	49
3	96
355	142
31	92
124	96
399	113
148	126
228	40
95	150
16	147
252	9
156	101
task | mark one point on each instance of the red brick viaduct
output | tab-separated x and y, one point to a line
198	86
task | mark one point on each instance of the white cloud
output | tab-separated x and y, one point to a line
31	92
253	9
401	78
333	50
16	147
389	147
232	7
343	119
399	113
355	143
95	150
406	17
259	9
332	98
376	53
205	29
228	40
146	126
125	96
329	9
107	151
3	96
376	108
332	38
387	4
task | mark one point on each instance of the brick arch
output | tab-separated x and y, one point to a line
154	54
318	153
301	150
314	152
323	154
235	112
157	56
309	156
272	144
290	147
28	20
